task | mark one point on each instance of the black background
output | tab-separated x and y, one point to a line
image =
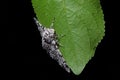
24	42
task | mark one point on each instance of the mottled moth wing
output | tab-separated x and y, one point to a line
50	44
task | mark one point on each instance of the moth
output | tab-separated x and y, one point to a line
50	44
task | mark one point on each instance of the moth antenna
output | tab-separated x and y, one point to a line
40	27
52	24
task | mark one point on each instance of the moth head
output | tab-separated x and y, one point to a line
50	31
48	35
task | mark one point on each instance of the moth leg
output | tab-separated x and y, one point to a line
60	45
61	36
58	40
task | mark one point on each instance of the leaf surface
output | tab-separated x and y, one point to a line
80	21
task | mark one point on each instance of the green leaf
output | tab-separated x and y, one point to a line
82	23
